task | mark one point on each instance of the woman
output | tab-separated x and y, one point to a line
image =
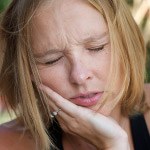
72	70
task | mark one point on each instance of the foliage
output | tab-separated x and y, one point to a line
130	2
3	4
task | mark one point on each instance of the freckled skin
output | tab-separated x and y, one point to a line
65	29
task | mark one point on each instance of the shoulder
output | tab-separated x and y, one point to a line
14	137
147	99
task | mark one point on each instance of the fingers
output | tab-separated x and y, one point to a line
57	102
82	121
69	111
60	102
71	116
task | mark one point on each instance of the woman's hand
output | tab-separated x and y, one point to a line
99	130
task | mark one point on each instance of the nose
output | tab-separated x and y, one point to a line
80	73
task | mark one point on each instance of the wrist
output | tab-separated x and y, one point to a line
121	143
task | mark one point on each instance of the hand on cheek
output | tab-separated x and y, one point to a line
91	126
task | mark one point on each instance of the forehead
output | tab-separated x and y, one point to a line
66	21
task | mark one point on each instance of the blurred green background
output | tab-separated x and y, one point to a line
141	12
3	4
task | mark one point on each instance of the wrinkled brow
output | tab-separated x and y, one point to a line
93	38
86	40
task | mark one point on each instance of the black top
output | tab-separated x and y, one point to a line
140	134
55	133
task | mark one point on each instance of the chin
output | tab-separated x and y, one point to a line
102	110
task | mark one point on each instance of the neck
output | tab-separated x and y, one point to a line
118	116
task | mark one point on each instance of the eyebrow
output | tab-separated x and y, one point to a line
94	38
50	51
88	39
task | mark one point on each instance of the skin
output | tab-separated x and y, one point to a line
64	39
68	35
13	136
65	31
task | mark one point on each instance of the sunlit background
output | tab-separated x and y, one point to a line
141	13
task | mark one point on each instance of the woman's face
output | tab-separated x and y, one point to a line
72	48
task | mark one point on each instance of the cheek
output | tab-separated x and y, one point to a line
54	78
102	66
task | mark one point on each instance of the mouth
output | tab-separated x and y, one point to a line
87	99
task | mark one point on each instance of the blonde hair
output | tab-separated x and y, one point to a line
18	64
128	54
15	83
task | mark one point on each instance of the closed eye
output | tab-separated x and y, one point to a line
53	61
96	49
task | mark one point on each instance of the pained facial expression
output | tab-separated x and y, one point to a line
72	48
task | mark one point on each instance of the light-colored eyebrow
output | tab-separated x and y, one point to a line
83	41
94	38
50	51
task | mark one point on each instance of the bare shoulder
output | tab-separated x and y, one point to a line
15	137
147	98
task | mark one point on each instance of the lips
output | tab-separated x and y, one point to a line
88	99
